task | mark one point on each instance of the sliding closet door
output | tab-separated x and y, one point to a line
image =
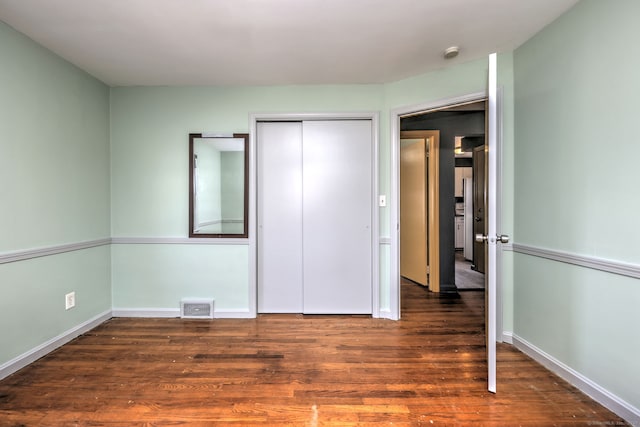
279	149
337	197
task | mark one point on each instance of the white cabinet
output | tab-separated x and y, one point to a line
460	174
459	238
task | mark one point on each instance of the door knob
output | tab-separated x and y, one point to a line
500	238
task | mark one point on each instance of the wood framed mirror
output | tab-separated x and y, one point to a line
218	185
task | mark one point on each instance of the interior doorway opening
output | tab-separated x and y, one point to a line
462	129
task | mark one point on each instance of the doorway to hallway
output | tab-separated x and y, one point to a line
462	131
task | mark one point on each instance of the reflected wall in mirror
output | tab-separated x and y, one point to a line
218	177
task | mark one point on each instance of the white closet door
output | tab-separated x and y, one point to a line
279	149
337	200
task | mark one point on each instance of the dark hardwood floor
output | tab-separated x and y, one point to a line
427	369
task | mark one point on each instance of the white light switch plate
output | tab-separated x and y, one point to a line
383	200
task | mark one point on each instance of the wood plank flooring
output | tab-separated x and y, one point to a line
293	370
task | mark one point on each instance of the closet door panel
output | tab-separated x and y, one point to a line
279	149
337	206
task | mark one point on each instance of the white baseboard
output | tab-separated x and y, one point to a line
507	337
385	314
146	312
607	399
175	312
240	313
43	349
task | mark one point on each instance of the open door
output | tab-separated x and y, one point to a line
414	245
491	149
491	238
419	207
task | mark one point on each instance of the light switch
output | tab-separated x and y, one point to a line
383	200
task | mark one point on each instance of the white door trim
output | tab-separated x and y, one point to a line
254	118
394	197
492	223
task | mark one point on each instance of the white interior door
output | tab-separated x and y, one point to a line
279	166
491	219
337	198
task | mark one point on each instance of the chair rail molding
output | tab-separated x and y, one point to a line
22	255
602	264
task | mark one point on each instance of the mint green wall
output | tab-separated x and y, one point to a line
54	187
506	217
158	276
576	115
149	129
54	148
149	141
445	83
149	159
32	292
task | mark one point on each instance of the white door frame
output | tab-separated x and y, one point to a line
394	196
253	198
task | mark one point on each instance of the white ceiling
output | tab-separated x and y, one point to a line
266	42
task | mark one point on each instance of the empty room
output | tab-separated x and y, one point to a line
204	217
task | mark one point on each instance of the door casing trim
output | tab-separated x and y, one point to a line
394	196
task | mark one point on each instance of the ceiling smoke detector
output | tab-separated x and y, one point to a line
451	52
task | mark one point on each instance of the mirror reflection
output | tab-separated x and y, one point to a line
217	182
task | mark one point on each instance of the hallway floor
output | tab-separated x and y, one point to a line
466	278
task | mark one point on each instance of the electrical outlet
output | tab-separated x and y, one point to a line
69	300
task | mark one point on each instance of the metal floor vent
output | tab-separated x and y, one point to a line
196	309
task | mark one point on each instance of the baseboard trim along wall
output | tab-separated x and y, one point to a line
47	347
175	312
584	384
385	314
146	312
609	266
